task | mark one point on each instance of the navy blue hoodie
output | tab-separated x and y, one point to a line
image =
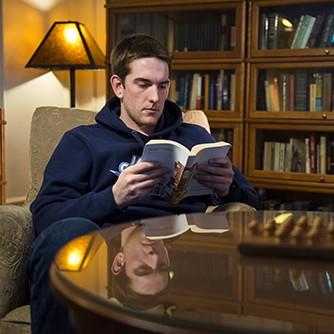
79	177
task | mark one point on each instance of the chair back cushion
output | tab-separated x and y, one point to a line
48	126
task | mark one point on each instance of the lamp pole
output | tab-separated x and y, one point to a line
72	87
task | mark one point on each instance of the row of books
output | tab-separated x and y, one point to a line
204	91
308	31
308	155
298	91
298	205
185	33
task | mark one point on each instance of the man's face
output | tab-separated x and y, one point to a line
146	263
143	94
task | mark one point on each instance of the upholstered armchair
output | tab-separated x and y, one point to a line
17	233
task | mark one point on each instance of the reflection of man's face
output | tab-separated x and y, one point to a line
146	263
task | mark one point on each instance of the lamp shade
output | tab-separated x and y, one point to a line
67	45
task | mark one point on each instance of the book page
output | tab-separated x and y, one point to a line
191	186
216	222
172	155
170	226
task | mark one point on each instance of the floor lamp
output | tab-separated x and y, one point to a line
68	46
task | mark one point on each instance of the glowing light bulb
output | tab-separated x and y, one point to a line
71	35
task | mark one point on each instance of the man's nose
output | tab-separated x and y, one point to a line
154	93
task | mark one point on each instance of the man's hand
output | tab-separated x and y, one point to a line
137	181
219	175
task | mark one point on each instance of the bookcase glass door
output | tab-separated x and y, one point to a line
303	152
298	26
292	90
183	31
203	89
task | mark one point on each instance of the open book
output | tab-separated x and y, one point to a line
172	226
182	162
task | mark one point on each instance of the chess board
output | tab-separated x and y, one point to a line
291	238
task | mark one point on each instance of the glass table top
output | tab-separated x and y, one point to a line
191	271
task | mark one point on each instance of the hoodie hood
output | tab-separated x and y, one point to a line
170	119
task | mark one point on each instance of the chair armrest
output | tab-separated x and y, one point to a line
17	235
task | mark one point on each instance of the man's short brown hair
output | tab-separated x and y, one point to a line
134	47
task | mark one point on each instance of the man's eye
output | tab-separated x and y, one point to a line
163	86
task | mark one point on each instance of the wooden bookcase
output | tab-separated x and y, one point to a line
248	61
2	157
268	121
205	38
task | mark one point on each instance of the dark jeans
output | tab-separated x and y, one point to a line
47	315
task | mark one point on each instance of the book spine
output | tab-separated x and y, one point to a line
301	84
312	94
318	92
276	96
199	93
272	31
267	91
312	154
307	156
327	92
292	92
316	31
323	154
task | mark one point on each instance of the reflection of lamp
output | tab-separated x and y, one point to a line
76	255
68	45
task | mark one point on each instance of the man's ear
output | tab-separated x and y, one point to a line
117	86
118	263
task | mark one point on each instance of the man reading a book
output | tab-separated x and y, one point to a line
95	177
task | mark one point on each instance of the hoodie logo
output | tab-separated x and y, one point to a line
124	165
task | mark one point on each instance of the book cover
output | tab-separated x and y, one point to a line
304	31
301	90
182	162
310	21
272	31
293	43
176	225
297	155
327	92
